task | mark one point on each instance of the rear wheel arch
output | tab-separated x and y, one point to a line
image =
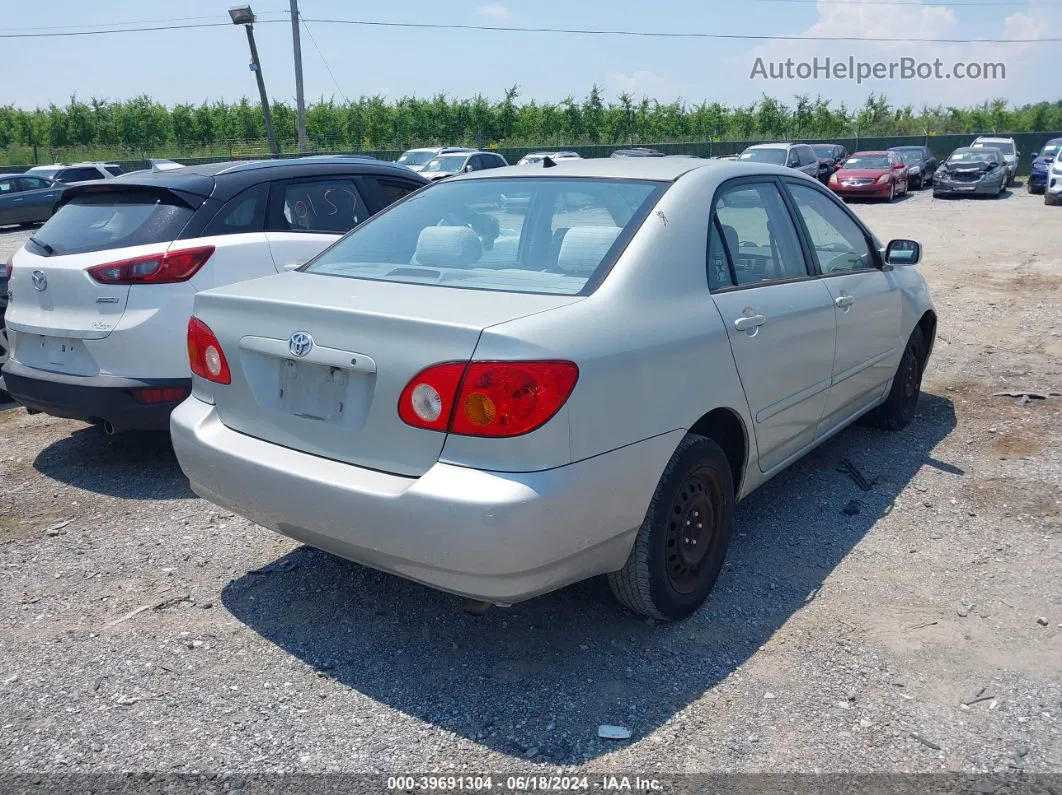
725	427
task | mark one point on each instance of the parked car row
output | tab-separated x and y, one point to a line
101	294
30	197
445	392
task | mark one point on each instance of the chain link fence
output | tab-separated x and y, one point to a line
942	145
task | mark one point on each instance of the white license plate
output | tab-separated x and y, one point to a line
964	187
313	390
58	350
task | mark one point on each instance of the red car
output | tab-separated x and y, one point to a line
870	175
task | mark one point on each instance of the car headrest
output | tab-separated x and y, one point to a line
448	246
583	248
733	242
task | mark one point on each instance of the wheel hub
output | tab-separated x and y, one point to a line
691	530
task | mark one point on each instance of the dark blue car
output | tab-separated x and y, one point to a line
1041	165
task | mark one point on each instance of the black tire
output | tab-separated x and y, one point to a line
899	407
5	353
667	576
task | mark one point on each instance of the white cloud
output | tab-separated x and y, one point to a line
494	11
638	83
858	19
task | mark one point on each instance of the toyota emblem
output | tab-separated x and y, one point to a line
300	343
40	281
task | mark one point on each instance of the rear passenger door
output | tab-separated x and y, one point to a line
237	232
39	197
307	215
779	316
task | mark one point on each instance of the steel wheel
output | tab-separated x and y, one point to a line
695	515
680	547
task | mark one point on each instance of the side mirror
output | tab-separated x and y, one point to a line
899	166
903	252
467	168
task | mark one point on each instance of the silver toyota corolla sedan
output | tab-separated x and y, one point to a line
500	398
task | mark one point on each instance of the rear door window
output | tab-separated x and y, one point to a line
759	233
110	219
243	213
7	186
391	191
331	206
32	183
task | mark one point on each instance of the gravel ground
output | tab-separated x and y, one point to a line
143	629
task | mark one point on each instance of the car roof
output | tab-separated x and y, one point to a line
905	148
224	180
992	139
8	176
658	169
770	146
871	152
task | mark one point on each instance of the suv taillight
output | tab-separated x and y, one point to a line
494	399
205	356
169	268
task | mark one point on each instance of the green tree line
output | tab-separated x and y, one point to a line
143	125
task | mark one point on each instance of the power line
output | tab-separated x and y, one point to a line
668	34
323	59
566	31
122	30
135	22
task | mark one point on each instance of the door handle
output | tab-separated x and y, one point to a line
844	301
749	322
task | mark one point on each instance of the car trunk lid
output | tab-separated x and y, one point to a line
97	224
338	397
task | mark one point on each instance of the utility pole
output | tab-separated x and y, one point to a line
300	100
242	15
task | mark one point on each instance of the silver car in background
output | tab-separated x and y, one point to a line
498	403
536	158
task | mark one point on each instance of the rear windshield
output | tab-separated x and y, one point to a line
99	221
773	156
549	236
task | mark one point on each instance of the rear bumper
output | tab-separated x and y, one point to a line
494	536
100	398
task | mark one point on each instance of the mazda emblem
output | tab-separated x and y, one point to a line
300	343
40	281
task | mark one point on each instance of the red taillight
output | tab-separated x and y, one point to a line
496	399
151	395
168	268
205	355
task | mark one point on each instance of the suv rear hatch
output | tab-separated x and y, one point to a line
97	224
370	338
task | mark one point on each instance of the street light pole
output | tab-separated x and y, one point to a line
300	101
242	15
